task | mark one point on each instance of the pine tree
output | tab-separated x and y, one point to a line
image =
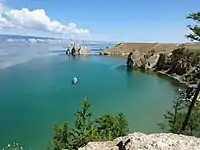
122	125
174	117
194	36
87	129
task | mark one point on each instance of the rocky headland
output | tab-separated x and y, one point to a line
181	62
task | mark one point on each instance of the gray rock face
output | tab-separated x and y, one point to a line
142	60
152	61
140	141
75	49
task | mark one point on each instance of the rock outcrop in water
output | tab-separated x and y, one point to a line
130	61
75	49
140	141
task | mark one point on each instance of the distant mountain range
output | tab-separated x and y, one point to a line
7	36
31	39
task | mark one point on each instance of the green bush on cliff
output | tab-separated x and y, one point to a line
181	62
182	53
87	129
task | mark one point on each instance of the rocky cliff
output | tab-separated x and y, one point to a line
140	141
181	62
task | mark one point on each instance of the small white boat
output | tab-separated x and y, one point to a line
75	80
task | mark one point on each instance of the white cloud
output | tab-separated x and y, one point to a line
25	21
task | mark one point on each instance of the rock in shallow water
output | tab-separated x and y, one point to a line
140	141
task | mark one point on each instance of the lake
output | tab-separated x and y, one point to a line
38	93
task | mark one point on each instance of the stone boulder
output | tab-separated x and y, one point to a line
141	141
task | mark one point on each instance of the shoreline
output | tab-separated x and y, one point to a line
175	78
145	55
124	55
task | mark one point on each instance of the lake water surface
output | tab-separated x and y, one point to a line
38	94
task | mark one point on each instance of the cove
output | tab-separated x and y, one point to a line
38	94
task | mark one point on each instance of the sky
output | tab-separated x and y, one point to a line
109	20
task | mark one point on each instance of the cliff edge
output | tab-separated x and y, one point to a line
126	48
140	141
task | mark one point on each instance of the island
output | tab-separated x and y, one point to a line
76	49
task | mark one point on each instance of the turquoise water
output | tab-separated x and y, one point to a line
37	94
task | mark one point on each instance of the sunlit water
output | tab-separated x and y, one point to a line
38	94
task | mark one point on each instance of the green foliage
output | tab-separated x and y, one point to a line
180	52
87	129
192	58
193	127
107	127
111	127
83	124
62	137
122	125
195	35
182	62
174	118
